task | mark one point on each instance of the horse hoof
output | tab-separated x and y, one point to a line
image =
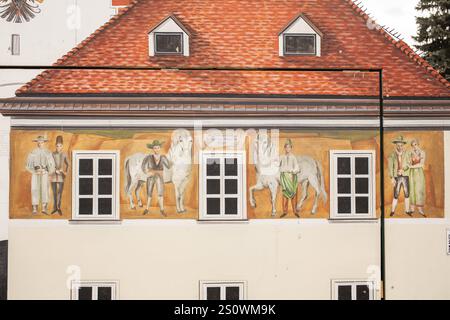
141	205
133	208
253	205
145	212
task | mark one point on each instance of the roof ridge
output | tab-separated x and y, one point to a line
81	45
402	46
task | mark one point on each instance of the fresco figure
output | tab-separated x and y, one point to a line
399	166
59	175
153	166
417	178
267	164
289	179
40	164
180	158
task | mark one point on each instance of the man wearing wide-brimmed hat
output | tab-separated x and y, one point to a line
40	164
398	166
153	165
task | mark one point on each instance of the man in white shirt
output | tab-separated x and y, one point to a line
289	169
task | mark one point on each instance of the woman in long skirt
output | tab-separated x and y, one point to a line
417	177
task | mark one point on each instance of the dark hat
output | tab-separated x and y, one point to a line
59	140
288	143
155	143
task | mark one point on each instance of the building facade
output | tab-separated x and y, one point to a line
231	151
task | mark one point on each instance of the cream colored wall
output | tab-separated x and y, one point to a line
4	177
418	266
167	259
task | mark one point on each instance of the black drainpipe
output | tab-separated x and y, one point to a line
382	209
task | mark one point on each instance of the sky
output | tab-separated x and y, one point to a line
398	14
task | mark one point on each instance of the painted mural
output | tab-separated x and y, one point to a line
19	11
288	174
414	174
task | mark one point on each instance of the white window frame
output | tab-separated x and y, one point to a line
100	154
114	285
353	283
285	53
15	45
352	154
242	185
204	285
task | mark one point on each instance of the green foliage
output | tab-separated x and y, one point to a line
433	33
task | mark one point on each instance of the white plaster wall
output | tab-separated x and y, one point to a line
418	266
279	259
4	177
60	26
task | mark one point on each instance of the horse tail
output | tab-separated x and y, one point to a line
320	178
127	176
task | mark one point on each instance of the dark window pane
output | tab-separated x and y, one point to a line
213	186
362	185
362	165
105	167
104	293
169	43
85	206
344	205
85	293
344	185
231	186
344	292
231	167
86	167
105	206
231	206
212	206
213	167
86	186
213	293
343	165
362	205
105	186
304	44
232	293
362	292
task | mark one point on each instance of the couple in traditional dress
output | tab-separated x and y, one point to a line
45	167
406	170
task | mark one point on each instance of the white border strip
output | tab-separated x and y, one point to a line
416	123
189	122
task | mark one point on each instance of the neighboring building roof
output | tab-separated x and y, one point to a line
241	34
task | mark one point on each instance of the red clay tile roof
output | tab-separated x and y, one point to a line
241	34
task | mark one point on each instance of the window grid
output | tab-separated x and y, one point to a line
336	284
95	176
204	285
222	196
353	195
94	285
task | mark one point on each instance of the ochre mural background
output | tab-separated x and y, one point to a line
307	143
432	142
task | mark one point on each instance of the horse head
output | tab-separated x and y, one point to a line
181	147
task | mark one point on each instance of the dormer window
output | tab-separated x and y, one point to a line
300	38
169	37
298	44
169	43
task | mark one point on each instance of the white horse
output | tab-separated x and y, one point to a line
180	158
267	165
